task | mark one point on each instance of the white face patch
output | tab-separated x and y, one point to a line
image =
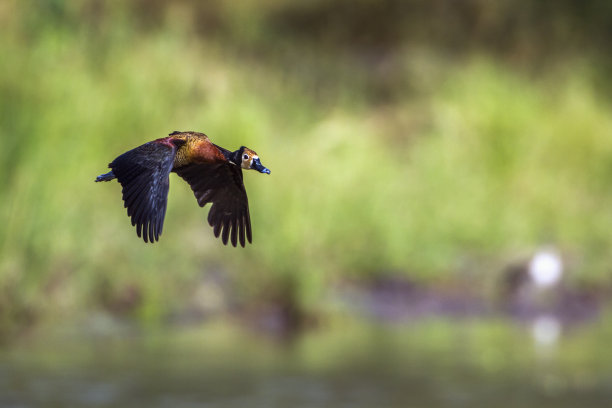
251	161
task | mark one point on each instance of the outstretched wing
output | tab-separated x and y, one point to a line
221	184
143	173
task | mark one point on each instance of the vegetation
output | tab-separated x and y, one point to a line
409	160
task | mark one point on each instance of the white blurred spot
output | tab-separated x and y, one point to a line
546	267
546	330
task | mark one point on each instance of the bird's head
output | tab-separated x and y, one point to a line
249	160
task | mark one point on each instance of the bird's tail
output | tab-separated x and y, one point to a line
106	177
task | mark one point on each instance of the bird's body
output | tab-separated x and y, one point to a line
214	174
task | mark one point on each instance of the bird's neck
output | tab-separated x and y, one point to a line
234	157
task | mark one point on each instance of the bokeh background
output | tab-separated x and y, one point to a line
427	158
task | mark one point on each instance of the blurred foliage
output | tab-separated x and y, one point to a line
423	138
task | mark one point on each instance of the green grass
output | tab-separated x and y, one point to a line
466	163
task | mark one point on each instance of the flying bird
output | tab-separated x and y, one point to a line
214	174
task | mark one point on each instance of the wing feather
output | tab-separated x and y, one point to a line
143	173
241	229
221	184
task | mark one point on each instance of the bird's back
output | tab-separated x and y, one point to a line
197	149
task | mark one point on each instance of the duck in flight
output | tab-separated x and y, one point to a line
214	174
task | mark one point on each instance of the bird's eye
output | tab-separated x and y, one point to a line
245	157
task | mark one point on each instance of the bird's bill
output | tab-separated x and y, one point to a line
256	165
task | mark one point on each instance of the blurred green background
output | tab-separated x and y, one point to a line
425	147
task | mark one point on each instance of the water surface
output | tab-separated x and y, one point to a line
432	363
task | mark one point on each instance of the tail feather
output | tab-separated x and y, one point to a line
106	177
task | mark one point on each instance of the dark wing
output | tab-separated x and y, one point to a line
143	172
221	184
